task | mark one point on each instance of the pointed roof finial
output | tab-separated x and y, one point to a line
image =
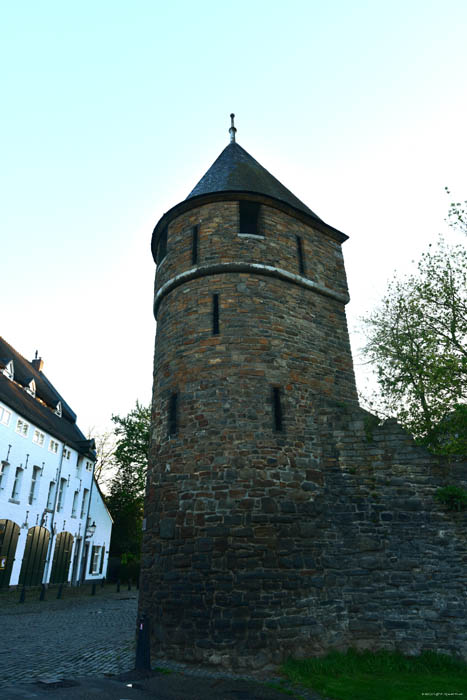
232	130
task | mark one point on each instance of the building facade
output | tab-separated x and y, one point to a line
280	517
54	526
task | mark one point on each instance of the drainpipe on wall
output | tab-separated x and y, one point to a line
52	536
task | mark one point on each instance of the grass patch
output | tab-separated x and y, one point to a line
383	675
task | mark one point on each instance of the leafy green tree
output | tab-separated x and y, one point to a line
126	492
457	215
417	340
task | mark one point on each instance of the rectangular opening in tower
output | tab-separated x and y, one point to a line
215	314
194	245
301	255
249	217
162	246
172	414
277	408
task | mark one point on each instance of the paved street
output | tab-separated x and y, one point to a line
83	635
82	647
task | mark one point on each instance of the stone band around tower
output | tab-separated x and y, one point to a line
253	268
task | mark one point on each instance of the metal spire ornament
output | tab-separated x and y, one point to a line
232	130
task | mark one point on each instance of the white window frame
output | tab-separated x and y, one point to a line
5	416
4	475
67	453
74	507
17	483
39	437
51	495
58	409
53	446
96	554
88	466
22	427
31	388
84	503
61	495
36	472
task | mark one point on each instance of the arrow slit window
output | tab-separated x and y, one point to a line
277	409
215	314
172	415
194	245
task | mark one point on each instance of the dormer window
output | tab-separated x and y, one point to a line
58	409
9	370
31	388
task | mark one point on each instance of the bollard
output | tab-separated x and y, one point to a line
59	592
118	586
42	593
143	649
93	591
129	584
22	595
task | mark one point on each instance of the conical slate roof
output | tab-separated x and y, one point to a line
236	171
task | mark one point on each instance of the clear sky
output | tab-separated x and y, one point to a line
112	111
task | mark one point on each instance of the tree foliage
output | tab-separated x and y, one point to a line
417	339
126	497
457	215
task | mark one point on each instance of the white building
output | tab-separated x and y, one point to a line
54	525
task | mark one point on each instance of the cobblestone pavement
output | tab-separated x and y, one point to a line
74	636
89	638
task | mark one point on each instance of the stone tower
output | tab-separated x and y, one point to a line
250	298
281	518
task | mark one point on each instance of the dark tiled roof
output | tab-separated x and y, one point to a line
236	171
25	371
14	395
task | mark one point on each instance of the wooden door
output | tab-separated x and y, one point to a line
35	553
62	557
9	533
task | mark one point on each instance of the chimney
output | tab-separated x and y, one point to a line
37	363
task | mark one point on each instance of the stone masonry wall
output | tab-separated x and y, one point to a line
218	241
260	542
393	560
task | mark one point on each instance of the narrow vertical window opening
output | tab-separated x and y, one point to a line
162	246
301	256
249	217
215	314
194	246
172	414
277	408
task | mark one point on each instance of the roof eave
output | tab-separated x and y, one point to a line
232	195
